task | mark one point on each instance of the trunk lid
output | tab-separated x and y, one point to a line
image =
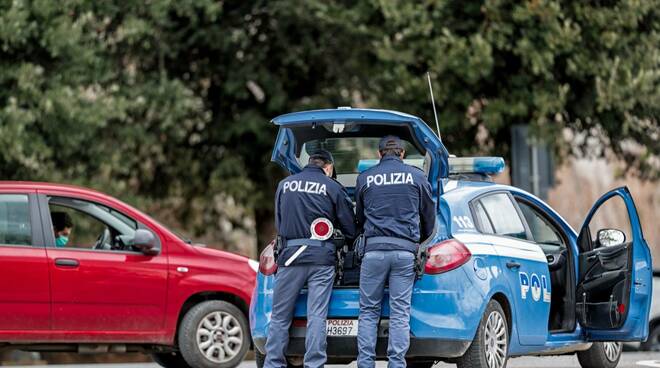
352	136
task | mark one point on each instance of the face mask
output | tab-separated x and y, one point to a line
61	241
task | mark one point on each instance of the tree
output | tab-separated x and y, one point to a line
591	67
166	103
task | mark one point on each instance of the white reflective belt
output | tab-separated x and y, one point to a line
295	255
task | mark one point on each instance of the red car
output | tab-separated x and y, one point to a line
122	282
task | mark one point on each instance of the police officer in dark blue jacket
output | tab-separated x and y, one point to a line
395	208
300	200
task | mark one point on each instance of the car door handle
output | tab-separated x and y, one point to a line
512	265
67	262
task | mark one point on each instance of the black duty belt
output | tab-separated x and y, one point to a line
308	242
391	240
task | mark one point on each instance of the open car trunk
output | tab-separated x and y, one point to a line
352	136
350	270
348	267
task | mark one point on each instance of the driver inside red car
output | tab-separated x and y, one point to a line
62	227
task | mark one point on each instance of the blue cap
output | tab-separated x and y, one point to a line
390	142
324	155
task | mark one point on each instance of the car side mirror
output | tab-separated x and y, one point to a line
611	237
146	242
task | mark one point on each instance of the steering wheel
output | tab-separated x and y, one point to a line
102	242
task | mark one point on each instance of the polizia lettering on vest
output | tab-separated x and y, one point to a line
304	187
389	179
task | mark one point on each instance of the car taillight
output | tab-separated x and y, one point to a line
267	265
446	256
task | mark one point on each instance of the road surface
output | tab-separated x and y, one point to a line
628	360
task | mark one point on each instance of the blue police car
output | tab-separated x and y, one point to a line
504	274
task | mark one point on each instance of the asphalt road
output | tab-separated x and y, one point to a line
629	360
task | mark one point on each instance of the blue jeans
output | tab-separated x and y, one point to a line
288	283
398	268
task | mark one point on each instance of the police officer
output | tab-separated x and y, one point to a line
301	199
396	210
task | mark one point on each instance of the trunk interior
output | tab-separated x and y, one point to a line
350	270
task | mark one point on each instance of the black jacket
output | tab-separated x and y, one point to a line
301	199
394	200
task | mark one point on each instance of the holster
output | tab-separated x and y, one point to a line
338	239
339	267
359	246
420	261
279	246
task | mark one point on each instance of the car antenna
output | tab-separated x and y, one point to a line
441	188
435	114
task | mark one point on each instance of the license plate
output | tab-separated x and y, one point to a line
341	327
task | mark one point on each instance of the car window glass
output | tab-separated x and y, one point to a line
85	231
94	226
482	218
503	215
121	217
15	228
542	231
613	214
354	155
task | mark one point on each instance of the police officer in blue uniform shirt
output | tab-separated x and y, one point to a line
301	199
395	208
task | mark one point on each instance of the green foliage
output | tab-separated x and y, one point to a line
168	102
588	66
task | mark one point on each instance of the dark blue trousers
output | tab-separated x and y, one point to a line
288	283
397	267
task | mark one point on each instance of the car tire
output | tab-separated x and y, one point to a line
170	360
260	360
214	334
493	332
653	343
601	355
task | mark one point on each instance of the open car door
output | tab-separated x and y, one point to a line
615	271
351	135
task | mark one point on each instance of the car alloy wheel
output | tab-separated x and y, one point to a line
612	350
495	336
219	337
490	346
600	355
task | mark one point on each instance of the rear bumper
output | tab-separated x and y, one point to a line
346	347
447	306
445	313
